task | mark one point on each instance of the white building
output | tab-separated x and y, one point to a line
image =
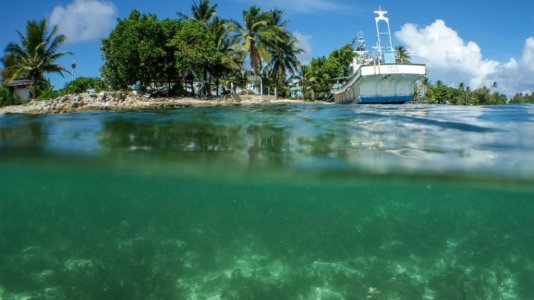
296	89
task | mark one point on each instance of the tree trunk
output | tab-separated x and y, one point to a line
207	90
35	88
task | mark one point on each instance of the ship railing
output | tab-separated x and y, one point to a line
350	82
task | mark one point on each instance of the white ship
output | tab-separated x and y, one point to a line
378	78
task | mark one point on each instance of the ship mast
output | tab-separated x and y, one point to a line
382	18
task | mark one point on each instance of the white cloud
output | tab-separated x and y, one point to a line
514	77
304	44
450	59
84	20
528	52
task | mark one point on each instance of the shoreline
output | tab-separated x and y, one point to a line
114	101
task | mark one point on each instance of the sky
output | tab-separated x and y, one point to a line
474	42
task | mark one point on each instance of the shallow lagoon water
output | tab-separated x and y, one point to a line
269	202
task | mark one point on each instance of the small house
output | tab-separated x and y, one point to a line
20	89
296	89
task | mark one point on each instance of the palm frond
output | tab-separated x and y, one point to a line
35	54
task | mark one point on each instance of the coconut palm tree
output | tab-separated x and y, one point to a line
282	47
266	41
203	12
403	56
226	44
239	78
225	41
305	78
284	59
254	36
35	55
467	95
206	14
425	84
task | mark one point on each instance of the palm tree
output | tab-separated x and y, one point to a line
461	89
425	84
305	79
239	78
467	95
203	12
265	40
255	35
35	55
403	56
277	25
282	47
226	44
284	59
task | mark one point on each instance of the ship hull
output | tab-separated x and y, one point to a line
377	84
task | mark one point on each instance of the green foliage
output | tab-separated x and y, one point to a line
323	72
82	84
254	36
136	51
283	51
444	94
200	48
343	58
79	85
169	73
520	98
48	94
203	12
35	55
226	42
402	56
196	51
4	96
195	47
271	49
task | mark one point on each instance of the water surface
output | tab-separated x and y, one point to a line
269	202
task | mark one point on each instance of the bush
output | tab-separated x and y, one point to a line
82	84
4	96
48	94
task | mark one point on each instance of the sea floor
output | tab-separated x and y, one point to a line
91	231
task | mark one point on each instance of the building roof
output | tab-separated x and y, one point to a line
22	82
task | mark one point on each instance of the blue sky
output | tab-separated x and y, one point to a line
476	42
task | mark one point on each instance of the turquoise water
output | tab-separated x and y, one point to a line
269	202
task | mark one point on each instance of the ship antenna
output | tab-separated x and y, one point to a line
382	18
361	41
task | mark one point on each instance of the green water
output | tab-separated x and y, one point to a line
277	202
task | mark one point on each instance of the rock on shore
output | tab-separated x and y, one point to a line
127	101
